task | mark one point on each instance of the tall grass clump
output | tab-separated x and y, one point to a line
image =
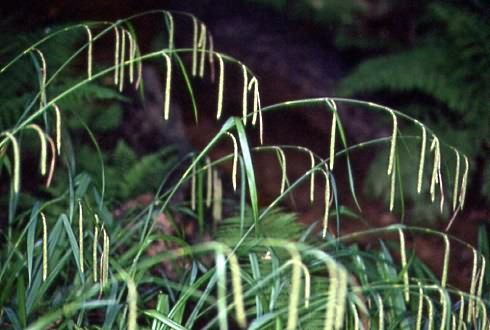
72	259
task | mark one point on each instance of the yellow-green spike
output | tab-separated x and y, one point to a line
15	147
381	318
104	273
294	289
435	167
237	290
80	235
132	301
211	56
195	29
193	188
341	298
307	276
391	161
254	83
244	95
392	189
139	67
94	248
456	180
461	312
282	164
58	128
202	47
53	160
42	140
132	54
45	247
483	267
472	286
356	316
464	182
122	60
443	302
326	212
420	308
422	159
168	86
102	261
333	131
445	266
89	52
44	73
332	303
312	176
221	83
116	57
483	319
430	312
403	256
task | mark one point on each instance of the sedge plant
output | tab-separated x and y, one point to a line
69	262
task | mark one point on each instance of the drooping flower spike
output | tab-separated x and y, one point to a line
327	194
195	44
116	55
282	163
132	54
244	95
53	160
445	268
122	59
312	175
45	247
42	140
473	283
94	248
80	235
436	169
221	83
333	130
168	86
422	158
193	186
89	52
211	57
43	78
16	152
391	160
58	128
403	256
456	179
202	47
464	182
